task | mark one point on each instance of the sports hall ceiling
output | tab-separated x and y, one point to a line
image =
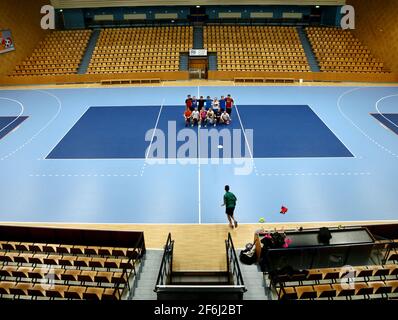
133	3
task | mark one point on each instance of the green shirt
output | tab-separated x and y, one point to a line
230	200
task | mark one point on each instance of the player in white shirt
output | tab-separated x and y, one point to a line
216	104
225	118
211	117
195	117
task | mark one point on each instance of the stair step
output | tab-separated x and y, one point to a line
312	61
89	52
198	37
148	276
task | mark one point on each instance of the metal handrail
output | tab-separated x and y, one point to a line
232	261
167	261
140	244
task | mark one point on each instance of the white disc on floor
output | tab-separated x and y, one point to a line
220	146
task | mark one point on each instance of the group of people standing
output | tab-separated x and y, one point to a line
208	111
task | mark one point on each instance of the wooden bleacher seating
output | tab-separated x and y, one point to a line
361	282
148	49
32	270
60	53
339	50
256	48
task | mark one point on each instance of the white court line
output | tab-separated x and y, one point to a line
153	136
199	176
353	222
378	110
154	130
94	159
246	140
316	174
94	175
59	141
357	127
20	114
42	129
332	132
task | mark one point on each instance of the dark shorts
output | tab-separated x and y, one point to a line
230	211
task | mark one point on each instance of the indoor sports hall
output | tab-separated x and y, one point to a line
108	193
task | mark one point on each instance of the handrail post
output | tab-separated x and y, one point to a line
166	258
234	260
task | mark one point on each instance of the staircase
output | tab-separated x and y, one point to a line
89	52
198	37
308	50
148	276
213	61
200	278
184	62
254	283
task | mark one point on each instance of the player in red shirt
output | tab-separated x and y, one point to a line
188	102
229	102
187	117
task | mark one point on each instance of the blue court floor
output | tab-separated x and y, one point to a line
88	155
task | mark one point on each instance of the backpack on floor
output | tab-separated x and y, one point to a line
248	255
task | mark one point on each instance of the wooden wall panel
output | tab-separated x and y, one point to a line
22	17
377	27
307	76
91	78
213	75
133	3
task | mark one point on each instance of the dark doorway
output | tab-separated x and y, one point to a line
198	68
197	14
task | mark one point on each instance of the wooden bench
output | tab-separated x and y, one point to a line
263	80
279	80
249	79
130	81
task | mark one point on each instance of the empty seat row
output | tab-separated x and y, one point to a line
66	260
255	48
331	45
18	289
365	289
59	47
66	249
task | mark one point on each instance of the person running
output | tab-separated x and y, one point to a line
211	117
209	103
188	102
229	102
222	104
216	104
203	118
194	103
187	117
230	204
225	118
201	103
195	117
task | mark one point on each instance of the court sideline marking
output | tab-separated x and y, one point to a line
357	127
378	110
199	173
153	136
246	140
20	114
42	129
296	173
